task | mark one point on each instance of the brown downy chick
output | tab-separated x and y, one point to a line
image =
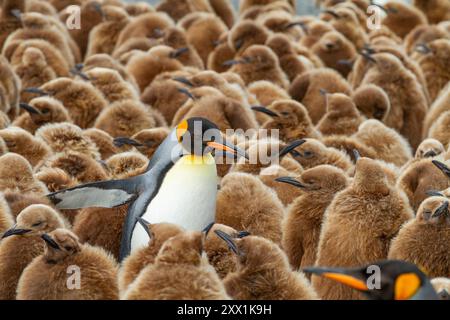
219	58
90	15
335	51
145	141
103	37
40	111
342	117
316	29
438	130
135	9
307	88
408	101
180	271
435	64
286	193
111	84
258	62
10	18
126	164
23	143
429	148
260	212
346	239
103	141
304	218
424	34
419	177
131	267
291	63
145	66
219	255
203	31
149	25
82	100
177	9
224	9
10	85
372	102
176	38
246	4
266	93
437	109
46	277
290	118
65	137
211	104
33	71
22	243
388	144
402	17
263	272
245	34
6	218
424	240
125	118
311	153
56	179
442	287
4	123
435	10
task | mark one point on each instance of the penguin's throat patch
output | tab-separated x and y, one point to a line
193	159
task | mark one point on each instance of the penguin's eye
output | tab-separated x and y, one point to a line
37	224
295	153
285	113
308	154
45	111
68	248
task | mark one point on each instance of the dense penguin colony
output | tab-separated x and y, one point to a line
362	113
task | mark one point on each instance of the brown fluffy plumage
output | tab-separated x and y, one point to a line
402	17
6	218
424	240
263	273
435	10
359	225
303	222
103	141
259	212
17	251
46	277
372	102
179	272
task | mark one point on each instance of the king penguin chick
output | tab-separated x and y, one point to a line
40	111
125	118
260	211
311	152
437	109
145	141
290	118
424	240
65	137
187	54
245	34
335	51
126	164
180	271
10	85
400	280
263	272
435	10
429	148
82	100
22	243
45	278
130	268
285	192
6	218
23	143
372	102
342	117
402	17
178	9
307	88
9	20
438	130
368	201
388	144
103	141
33	71
266	93
304	218
442	287
259	62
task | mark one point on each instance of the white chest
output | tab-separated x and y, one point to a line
187	197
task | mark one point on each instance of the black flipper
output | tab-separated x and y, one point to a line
103	194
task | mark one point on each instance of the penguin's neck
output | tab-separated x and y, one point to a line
186	197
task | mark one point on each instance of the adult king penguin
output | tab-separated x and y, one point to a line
179	185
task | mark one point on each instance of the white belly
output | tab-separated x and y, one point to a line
187	197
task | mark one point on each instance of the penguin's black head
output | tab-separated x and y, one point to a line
383	280
199	136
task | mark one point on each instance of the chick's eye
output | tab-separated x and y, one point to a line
295	153
285	113
68	248
45	110
308	154
37	224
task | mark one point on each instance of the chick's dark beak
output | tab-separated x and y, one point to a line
145	224
292	181
52	243
30	109
121	141
265	111
442	210
15	232
228	240
443	167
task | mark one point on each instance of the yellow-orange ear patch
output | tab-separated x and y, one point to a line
181	129
406	285
347	280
